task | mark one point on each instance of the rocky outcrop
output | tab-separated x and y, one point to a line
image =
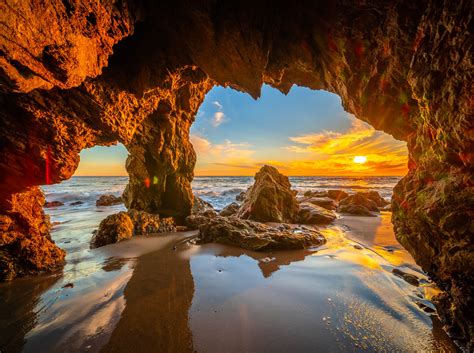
356	210
25	244
52	204
113	229
270	198
375	197
405	67
359	199
108	200
230	209
324	202
123	225
337	195
257	236
313	214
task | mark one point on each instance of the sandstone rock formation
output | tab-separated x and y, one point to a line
324	202
75	74
270	198
356	210
359	199
257	236
108	200
337	195
124	225
230	209
313	214
113	229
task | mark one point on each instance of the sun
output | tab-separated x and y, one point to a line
360	159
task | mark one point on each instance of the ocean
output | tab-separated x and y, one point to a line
165	291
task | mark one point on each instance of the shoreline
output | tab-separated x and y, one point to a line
161	291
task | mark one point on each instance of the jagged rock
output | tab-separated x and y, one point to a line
25	244
359	199
76	203
146	223
257	236
324	202
356	210
113	229
108	200
230	210
270	198
124	225
375	196
311	193
403	66
53	204
194	221
337	194
202	207
240	197
314	214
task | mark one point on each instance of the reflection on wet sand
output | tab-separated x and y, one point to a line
164	294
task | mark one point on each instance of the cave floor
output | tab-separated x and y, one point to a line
163	293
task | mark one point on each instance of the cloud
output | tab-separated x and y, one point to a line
219	118
218	105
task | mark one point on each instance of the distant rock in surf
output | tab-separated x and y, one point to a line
108	200
53	204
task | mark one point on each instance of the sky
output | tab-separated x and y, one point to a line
302	133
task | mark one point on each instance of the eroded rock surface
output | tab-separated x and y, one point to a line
124	225
108	200
270	198
257	236
405	67
313	214
230	209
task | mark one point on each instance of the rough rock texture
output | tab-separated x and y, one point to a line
324	202
123	225
257	236
356	210
25	244
201	206
230	209
113	229
337	194
270	198
313	214
359	199
108	200
403	66
375	196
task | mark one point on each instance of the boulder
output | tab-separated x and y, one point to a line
200	206
113	229
360	199
270	198
194	221
147	223
124	225
313	214
257	236
76	203
311	193
356	210
375	196
324	202
53	204
230	210
108	200
240	197
337	194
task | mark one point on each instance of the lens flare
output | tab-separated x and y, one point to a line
360	159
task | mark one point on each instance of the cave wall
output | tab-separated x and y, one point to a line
76	74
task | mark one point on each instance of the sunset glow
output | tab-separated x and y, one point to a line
303	133
360	159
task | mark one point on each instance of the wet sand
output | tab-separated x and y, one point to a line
163	294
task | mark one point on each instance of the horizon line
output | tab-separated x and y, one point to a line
234	176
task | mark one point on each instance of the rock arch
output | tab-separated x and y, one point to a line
76	74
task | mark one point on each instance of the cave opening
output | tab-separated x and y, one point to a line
76	206
306	134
